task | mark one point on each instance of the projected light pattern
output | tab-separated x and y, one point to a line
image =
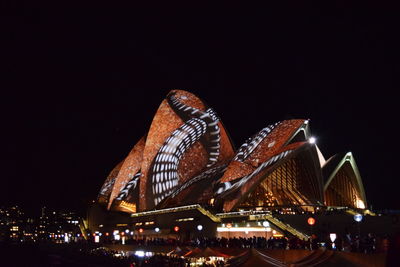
213	172
248	147
165	169
224	187
209	117
107	187
131	185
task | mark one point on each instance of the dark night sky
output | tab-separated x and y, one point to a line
80	86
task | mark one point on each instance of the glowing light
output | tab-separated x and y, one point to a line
97	239
265	224
312	140
311	221
358	217
157	229
185	219
116	235
127	231
360	204
243	229
332	237
139	253
176	228
141	230
199	227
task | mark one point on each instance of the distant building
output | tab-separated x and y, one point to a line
58	226
52	226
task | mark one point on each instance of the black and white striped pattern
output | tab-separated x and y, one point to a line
106	188
248	147
130	186
213	114
165	168
209	117
213	172
222	187
225	187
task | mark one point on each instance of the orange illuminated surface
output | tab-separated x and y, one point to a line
311	221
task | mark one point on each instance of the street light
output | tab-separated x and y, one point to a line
311	222
358	217
333	238
229	226
266	225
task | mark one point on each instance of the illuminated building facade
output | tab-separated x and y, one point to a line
187	159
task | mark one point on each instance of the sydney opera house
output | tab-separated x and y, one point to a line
185	174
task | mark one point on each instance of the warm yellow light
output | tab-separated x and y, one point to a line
129	206
242	229
360	204
184	219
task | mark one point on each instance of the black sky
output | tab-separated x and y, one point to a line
81	84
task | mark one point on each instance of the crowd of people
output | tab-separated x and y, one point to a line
81	254
160	260
350	242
